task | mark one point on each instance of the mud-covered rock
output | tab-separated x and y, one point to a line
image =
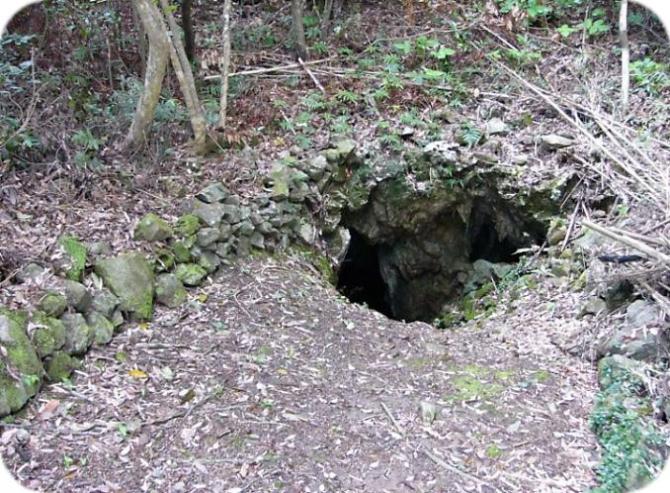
130	277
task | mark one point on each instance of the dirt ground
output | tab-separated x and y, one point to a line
268	380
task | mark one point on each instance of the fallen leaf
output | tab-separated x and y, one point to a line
48	410
137	373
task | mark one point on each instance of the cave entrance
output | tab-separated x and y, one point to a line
360	278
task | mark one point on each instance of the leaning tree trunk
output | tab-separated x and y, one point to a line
154	74
299	43
184	73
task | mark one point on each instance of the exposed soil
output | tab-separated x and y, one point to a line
267	380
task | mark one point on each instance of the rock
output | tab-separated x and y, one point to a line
187	225
428	412
495	126
299	192
164	260
130	277
98	249
520	159
245	228
170	291
441	153
233	200
74	256
52	304
152	228
117	318
640	343
342	152
105	302
593	306
19	351
265	228
307	233
209	261
13	393
102	328
316	167
77	295
190	274
557	232
223	249
554	141
210	214
225	232
46	333
208	236
256	218
32	273
641	313
182	252
232	214
211	194
78	334
60	366
617	369
243	246
280	179
257	241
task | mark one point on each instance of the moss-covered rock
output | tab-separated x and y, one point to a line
60	366
77	295
152	228
75	254
13	394
47	334
187	225
105	302
52	304
103	329
19	350
164	260
130	277
78	334
170	291
190	274
182	251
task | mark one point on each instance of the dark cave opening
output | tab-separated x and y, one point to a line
360	278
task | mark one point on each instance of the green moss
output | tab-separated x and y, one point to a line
630	441
77	254
316	259
493	452
13	395
60	367
190	274
164	260
187	225
53	304
182	251
474	382
541	376
20	352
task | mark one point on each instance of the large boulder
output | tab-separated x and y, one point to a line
130	277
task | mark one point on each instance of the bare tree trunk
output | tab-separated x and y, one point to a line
189	33
154	74
141	38
299	43
625	54
225	65
184	74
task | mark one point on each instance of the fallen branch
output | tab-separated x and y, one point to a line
267	70
311	75
622	237
451	468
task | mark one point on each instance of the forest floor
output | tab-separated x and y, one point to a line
268	380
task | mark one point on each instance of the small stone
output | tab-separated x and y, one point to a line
265	228
316	167
211	194
428	412
77	295
495	126
74	257
99	248
555	141
190	274
105	302
520	159
207	236
233	200
307	233
47	334
232	214
117	318
170	291
182	252
641	313
152	228
103	329
593	306
441	153
78	334
53	304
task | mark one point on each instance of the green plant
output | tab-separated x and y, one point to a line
649	75
595	24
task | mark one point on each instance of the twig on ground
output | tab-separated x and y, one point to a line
395	423
451	468
311	75
627	240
